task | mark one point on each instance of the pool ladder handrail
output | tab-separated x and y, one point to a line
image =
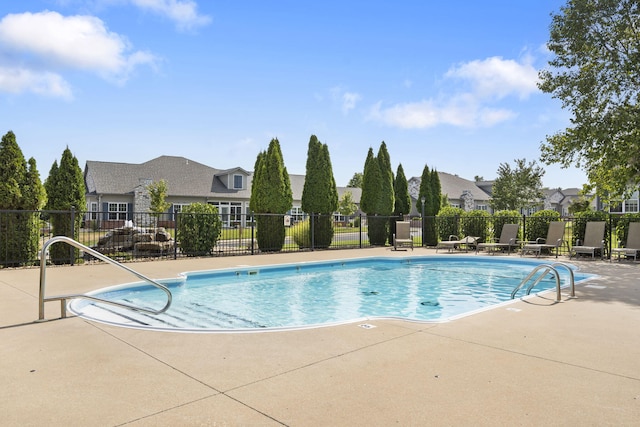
548	268
102	257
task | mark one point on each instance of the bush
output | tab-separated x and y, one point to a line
476	224
448	221
301	234
199	227
537	225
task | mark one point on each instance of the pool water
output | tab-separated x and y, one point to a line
429	289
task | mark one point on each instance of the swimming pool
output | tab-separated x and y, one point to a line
427	289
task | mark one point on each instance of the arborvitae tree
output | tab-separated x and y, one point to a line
402	200
271	196
430	206
319	195
20	190
377	194
65	190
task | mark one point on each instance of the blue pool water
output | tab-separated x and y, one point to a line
311	294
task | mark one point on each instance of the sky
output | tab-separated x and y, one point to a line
450	85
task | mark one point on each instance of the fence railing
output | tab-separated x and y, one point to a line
134	236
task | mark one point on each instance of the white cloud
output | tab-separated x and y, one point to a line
50	41
496	77
18	80
346	100
484	82
183	12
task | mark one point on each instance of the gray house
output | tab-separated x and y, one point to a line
115	191
461	193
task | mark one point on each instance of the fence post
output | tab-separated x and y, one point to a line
175	234
253	227
360	230
313	235
524	227
72	251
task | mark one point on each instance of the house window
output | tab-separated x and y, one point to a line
631	206
296	214
230	213
117	211
93	208
482	208
238	182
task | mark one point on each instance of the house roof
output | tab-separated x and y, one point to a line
453	186
184	177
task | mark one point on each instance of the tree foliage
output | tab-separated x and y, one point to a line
594	71
319	195
199	227
430	191
20	190
518	187
402	200
346	205
158	191
377	199
271	197
356	180
65	191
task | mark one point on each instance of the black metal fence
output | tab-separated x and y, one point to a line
136	236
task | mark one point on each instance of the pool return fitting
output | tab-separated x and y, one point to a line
87	250
548	268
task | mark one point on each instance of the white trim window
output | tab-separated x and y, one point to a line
238	182
93	211
117	211
230	213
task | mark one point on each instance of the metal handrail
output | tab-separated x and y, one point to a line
572	278
548	268
92	252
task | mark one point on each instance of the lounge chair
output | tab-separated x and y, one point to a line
455	243
593	240
632	245
402	236
555	239
508	239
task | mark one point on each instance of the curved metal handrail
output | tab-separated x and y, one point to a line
572	277
94	253
548	268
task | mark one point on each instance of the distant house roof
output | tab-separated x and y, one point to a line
453	186
184	177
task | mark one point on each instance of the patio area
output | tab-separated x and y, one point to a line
532	362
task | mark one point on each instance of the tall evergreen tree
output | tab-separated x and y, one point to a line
20	190
319	195
271	197
402	201
65	191
377	194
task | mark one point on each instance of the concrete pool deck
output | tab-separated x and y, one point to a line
529	363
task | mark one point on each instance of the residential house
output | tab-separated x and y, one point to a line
115	191
461	193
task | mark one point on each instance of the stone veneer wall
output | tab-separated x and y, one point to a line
142	203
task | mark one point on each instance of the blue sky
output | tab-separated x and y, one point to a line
448	84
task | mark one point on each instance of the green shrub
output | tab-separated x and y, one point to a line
301	235
476	224
448	222
537	225
199	227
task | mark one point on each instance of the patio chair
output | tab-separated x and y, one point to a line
593	240
555	239
402	236
508	239
455	243
632	245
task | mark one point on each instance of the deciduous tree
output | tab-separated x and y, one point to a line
517	188
594	71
